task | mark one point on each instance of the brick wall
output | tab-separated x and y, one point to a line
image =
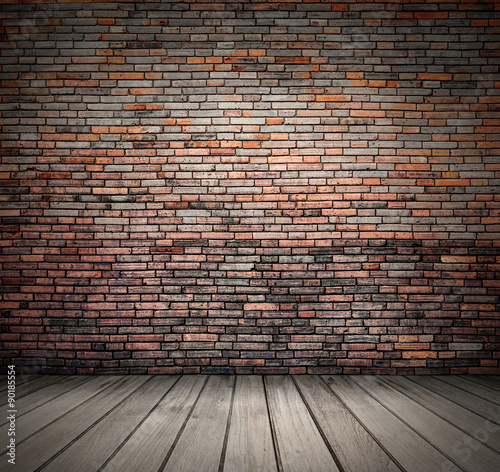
250	187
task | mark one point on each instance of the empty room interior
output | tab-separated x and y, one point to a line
250	236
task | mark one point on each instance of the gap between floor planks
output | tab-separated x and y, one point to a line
255	423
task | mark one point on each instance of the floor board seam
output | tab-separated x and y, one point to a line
29	392
277	455
318	427
181	430
468	391
482	384
62	416
95	423
25	411
413	429
110	458
19	380
458	404
418	412
228	426
365	427
443	418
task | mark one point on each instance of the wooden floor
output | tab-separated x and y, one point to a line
254	423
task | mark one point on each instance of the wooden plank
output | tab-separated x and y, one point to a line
20	378
27	378
36	450
495	378
35	399
458	416
356	450
467	400
29	383
300	445
36	419
492	378
200	445
444	436
28	387
250	443
486	380
149	444
410	450
472	387
91	450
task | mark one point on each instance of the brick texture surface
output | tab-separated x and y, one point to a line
250	186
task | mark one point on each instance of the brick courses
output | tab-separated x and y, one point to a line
250	186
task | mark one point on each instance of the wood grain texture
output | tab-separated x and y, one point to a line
25	379
3	382
356	450
44	395
45	444
33	384
461	397
487	381
38	418
448	410
434	429
410	450
250	444
96	445
201	443
300	445
481	391
254	423
153	439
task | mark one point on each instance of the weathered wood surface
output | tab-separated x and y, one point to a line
356	449
480	406
43	446
470	386
250	442
45	394
432	428
299	442
25	386
257	424
36	419
454	414
201	443
487	380
152	440
406	446
90	451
